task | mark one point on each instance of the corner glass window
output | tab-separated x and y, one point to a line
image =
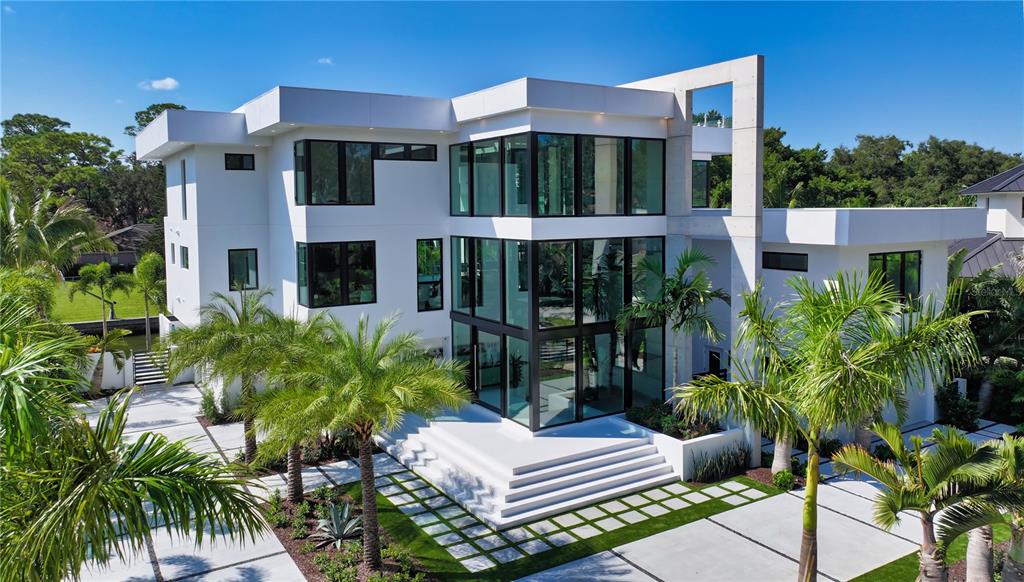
556	280
302	276
488	279
337	273
517	282
516	163
462	348
648	176
557	403
300	173
358	173
360	273
701	184
462	284
489	380
518	380
601	279
603	377
429	296
556	184
902	270
325	186
242	269
458	179
647	366
648	261
603	167
325	267
486	178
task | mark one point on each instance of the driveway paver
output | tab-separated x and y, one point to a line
604	566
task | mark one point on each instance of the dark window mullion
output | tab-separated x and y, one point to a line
342	178
627	169
534	187
577	175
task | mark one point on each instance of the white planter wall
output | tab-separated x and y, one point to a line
681	454
113	378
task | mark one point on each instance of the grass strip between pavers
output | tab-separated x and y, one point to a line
905	569
443	565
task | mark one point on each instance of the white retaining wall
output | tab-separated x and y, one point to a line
681	454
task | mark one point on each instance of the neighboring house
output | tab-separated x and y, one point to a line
1002	197
505	225
128	240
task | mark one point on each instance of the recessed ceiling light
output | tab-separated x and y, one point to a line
292	124
371	129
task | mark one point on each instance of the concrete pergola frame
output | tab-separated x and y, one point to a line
746	76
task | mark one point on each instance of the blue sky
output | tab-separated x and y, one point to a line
832	70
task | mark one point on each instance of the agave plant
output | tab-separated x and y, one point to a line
338	526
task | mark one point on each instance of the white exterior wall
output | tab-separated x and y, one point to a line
1005	213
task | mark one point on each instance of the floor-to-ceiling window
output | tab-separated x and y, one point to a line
516	168
557	402
517	282
602	379
488	346
488	279
603	174
648	176
487	177
556	283
517	374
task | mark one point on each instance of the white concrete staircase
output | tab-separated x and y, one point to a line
504	494
149	368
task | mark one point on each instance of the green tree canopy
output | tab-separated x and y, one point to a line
147	115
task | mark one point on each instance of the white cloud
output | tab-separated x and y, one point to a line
325	61
165	84
8	9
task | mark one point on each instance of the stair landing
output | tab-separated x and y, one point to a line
505	475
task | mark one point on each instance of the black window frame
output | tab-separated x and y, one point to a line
778	266
707	183
375	156
440	281
577	175
231	284
535	337
184	189
243	158
183	258
901	288
344	277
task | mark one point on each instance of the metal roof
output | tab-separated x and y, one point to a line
989	251
1011	180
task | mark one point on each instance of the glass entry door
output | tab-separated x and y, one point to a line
482	354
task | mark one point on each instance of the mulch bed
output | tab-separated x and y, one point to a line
958	570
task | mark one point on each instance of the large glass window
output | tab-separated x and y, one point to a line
184	257
239	162
358	173
603	374
429	294
300	172
337	273
488	348
325	186
647	366
648	176
603	163
516	161
302	277
555	174
488	281
360	273
517	282
518	379
648	261
458	178
701	184
556	281
601	279
462	349
902	270
784	261
557	403
242	269
462	282
487	178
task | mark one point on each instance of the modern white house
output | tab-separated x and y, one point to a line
508	226
1002	197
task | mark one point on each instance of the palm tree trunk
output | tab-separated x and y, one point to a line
931	568
371	523
145	303
809	538
979	554
247	420
1013	565
985	396
675	361
781	455
295	474
96	383
103	311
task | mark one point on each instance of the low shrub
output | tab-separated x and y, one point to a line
213	412
883	452
709	468
661	418
336	569
784	480
955	409
828	447
307	548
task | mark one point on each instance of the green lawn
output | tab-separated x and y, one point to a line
905	568
440	563
87	308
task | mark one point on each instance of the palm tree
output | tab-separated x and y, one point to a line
99	281
277	412
944	478
681	301
825	359
45	228
148	279
71	493
232	342
367	382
